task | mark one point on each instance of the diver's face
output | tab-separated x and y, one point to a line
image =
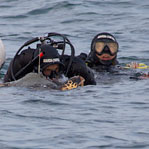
48	71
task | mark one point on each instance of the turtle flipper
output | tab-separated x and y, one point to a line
72	83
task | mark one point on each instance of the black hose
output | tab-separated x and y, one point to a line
25	44
65	41
26	66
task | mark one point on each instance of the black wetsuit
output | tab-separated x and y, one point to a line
78	67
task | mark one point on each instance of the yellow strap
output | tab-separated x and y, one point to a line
140	66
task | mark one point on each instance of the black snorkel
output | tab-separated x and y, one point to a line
60	45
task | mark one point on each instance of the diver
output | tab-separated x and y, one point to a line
45	59
103	54
103	58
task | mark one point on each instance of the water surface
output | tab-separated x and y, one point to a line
112	114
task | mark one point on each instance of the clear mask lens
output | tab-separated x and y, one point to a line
113	47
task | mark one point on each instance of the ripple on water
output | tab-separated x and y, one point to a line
112	114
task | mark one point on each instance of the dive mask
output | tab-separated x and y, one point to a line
102	47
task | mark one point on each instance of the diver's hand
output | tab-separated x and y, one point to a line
72	83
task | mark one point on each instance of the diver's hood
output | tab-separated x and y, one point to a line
50	56
105	37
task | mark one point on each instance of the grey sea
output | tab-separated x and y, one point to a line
114	114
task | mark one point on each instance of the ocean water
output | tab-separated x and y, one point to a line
114	114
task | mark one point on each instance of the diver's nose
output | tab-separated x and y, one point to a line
106	49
